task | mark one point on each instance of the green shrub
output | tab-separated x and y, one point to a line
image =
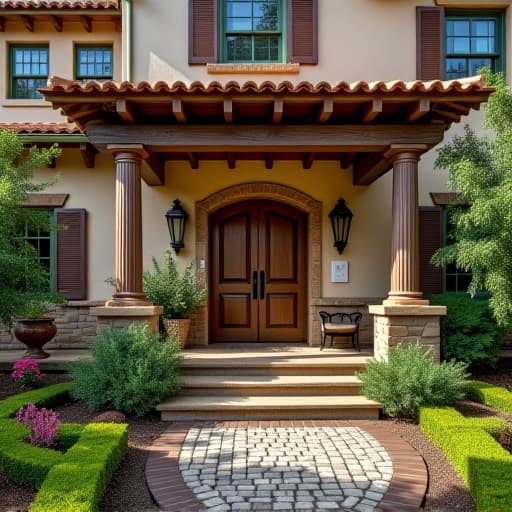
131	371
469	332
493	396
484	465
410	379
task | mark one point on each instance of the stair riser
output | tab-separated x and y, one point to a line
269	390
274	370
273	414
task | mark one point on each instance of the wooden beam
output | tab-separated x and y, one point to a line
228	110
458	107
86	23
153	173
56	22
417	110
231	157
28	21
265	138
326	110
269	160
308	159
2	24
179	111
372	110
346	159
118	24
278	111
446	114
193	159
125	110
88	152
370	167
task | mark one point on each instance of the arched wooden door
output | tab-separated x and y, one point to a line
258	273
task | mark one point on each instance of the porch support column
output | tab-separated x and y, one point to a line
128	236
405	274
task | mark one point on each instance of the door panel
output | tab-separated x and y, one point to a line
258	276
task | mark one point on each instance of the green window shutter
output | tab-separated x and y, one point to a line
431	239
71	254
429	43
303	31
202	31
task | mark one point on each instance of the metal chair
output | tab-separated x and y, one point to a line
340	324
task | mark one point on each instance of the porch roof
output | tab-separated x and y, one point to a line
354	123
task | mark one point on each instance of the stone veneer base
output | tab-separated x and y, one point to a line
119	317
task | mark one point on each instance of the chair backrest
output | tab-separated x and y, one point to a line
339	317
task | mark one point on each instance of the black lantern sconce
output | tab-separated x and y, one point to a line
341	217
176	219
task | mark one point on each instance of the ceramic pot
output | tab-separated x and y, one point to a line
34	333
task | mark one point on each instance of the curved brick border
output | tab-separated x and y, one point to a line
405	493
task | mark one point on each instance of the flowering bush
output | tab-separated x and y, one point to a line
505	438
43	424
26	374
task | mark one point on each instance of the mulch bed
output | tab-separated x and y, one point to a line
127	491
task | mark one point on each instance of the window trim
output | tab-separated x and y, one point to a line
283	32
12	47
498	15
96	46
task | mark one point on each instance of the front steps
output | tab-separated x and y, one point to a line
274	381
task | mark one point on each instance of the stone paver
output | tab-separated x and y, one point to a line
319	468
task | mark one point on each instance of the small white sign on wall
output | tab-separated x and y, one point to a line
339	271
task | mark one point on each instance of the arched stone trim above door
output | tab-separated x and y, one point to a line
259	190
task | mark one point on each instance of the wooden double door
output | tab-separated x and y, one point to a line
258	273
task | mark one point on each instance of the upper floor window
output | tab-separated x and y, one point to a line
252	31
473	40
29	67
94	62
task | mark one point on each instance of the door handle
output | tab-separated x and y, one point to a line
255	284
262	284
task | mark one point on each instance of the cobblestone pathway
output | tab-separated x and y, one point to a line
295	468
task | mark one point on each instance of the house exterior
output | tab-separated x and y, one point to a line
258	115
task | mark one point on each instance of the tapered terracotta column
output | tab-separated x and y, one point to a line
128	235
405	276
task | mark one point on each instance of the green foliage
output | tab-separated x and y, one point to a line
410	379
493	396
177	294
469	332
20	272
484	465
131	371
479	169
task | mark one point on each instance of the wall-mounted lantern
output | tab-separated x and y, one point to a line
176	220
341	217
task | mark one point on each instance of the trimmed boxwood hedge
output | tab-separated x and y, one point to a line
494	396
71	481
468	444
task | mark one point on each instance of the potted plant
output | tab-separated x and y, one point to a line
176	292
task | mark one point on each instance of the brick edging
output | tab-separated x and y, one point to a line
405	494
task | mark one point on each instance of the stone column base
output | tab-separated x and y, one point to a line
406	324
119	317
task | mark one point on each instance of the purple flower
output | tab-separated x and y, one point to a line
43	424
26	373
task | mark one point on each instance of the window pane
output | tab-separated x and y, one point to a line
461	27
456	68
266	15
482	45
239	9
94	63
239	24
239	48
461	45
476	64
482	28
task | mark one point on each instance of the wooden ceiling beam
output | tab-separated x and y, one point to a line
326	110
153	173
277	114
193	159
125	110
372	110
370	167
446	114
179	111
308	159
2	24
346	159
417	110
56	22
86	23
28	21
88	152
269	160
228	110
458	107
231	157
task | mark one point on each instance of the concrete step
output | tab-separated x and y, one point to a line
204	385
232	407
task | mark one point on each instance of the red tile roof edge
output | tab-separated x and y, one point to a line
59	4
36	127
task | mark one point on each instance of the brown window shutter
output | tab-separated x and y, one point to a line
303	31
202	31
71	253
429	43
431	238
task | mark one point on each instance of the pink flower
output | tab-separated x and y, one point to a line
26	373
43	424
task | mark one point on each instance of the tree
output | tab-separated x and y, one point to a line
480	170
22	278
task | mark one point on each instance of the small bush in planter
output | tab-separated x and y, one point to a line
410	379
131	371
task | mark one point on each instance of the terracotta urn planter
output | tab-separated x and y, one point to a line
34	333
178	328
